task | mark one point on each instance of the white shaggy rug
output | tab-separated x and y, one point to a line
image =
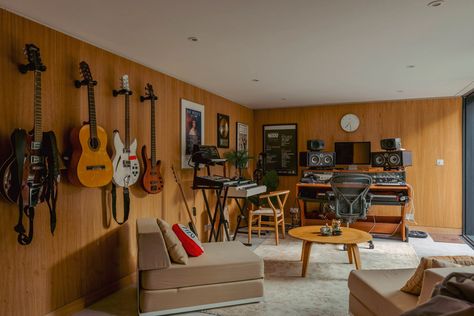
324	290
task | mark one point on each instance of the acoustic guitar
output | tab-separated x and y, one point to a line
152	181
90	163
30	188
125	162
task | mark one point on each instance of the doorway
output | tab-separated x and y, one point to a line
468	168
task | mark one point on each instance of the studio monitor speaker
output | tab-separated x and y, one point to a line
391	144
317	159
391	159
315	145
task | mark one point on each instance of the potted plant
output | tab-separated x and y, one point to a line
239	158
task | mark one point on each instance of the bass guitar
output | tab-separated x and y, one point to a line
152	181
90	164
125	162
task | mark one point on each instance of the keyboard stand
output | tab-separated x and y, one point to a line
242	215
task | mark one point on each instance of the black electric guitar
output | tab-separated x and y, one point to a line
32	166
24	174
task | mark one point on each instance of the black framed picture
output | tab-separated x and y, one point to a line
280	145
223	130
192	129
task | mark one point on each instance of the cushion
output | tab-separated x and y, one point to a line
379	290
189	240
174	246
434	276
413	285
152	253
221	262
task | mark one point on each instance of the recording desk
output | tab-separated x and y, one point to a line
383	194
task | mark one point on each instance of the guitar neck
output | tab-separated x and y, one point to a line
92	116
153	140
38	128
127	121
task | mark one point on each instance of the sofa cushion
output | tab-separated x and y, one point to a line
174	246
189	240
379	290
221	262
435	276
152	253
413	285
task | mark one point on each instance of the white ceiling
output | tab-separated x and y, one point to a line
307	52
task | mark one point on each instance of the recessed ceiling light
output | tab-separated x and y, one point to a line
411	66
255	80
193	39
399	91
435	3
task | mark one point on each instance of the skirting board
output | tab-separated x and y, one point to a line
82	302
203	307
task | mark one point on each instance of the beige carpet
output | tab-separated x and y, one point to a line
323	292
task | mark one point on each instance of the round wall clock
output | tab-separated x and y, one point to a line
350	122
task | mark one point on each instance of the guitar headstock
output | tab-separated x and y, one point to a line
124	87
124	83
86	76
149	93
32	53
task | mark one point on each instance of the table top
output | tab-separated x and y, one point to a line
312	234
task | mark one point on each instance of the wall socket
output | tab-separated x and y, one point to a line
207	227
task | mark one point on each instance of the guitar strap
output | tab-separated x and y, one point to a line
51	154
126	204
18	139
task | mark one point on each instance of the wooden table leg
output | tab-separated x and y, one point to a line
356	255
349	253
306	255
302	250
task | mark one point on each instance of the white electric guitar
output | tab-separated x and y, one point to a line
125	162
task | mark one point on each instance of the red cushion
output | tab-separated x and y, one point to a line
190	242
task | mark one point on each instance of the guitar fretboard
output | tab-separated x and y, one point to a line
127	121
92	116
38	129
153	141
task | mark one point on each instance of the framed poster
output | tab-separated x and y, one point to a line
242	136
222	130
280	144
192	129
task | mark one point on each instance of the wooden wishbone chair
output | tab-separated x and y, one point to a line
277	213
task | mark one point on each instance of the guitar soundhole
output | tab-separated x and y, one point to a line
94	143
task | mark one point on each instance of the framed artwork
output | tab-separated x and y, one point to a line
242	136
192	129
222	130
280	145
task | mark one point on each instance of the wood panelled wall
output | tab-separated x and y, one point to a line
87	252
431	128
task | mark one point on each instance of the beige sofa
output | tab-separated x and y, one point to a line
226	274
377	292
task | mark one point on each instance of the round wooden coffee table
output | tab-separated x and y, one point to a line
349	237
